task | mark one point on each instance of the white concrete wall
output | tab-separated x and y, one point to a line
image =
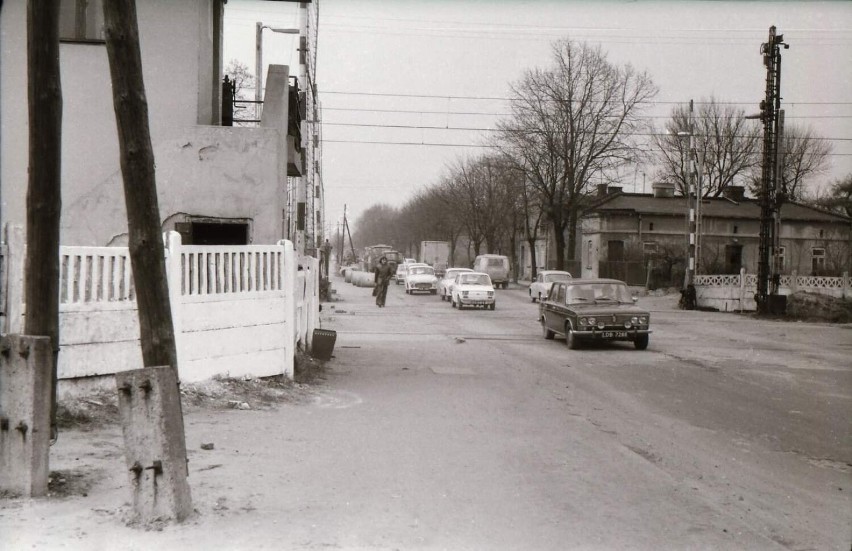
236	310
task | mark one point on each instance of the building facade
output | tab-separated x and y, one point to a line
216	184
635	233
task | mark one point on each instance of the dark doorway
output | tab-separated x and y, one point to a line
733	258
213	233
615	251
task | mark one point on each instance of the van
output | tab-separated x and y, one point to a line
496	266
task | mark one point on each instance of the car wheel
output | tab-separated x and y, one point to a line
641	342
547	333
434	291
532	298
570	340
453	302
443	297
493	306
505	284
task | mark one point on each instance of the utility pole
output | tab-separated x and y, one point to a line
769	198
691	201
44	195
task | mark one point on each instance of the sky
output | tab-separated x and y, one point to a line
388	68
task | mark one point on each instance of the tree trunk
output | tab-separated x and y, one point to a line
572	235
559	243
140	188
44	196
533	260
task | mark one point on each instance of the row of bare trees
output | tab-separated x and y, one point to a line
576	123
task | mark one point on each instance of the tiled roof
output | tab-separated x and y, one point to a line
718	207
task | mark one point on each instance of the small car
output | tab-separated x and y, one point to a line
399	277
594	310
545	278
473	289
421	278
445	284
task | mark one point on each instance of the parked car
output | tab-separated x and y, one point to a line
496	266
445	283
545	278
421	278
594	310
473	289
399	277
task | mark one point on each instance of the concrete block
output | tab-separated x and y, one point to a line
154	443
25	390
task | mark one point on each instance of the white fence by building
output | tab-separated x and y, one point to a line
735	293
237	310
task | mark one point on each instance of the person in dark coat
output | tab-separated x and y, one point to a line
383	274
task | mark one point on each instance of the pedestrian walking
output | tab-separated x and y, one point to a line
383	274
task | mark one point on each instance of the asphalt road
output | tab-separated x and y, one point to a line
439	429
728	432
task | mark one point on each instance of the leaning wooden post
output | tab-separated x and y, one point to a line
149	398
44	197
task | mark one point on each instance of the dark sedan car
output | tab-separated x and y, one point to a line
594	310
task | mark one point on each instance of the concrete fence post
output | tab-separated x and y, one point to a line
154	445
794	282
174	275
742	289
846	285
14	283
288	269
25	396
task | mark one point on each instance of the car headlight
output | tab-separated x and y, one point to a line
634	320
464	294
490	294
582	321
601	325
643	320
591	321
628	324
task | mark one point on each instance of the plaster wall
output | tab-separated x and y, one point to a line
178	42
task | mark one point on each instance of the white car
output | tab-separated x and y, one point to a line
421	278
445	284
540	288
473	289
400	274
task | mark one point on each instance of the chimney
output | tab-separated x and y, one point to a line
663	189
602	190
734	193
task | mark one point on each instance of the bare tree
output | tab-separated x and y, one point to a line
837	198
570	124
726	142
804	155
242	78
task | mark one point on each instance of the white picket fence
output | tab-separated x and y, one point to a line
735	292
237	310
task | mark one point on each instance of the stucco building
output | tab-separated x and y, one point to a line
216	184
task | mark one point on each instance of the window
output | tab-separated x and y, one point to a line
782	254
821	234
817	260
81	20
651	226
649	247
735	228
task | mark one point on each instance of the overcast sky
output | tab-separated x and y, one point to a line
383	64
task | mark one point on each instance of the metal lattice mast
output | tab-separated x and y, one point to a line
770	108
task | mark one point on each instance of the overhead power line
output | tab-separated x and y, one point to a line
495	98
498	114
470	129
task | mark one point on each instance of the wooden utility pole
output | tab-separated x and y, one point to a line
140	188
44	198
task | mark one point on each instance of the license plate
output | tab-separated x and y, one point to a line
613	334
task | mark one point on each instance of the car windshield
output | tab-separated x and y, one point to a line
548	278
420	270
474	279
598	292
